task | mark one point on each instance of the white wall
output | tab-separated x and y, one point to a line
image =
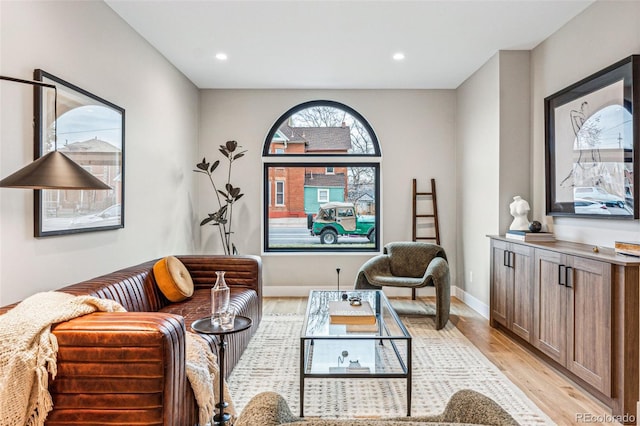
493	155
515	133
603	34
87	44
478	153
416	133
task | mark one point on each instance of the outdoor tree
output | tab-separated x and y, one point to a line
360	179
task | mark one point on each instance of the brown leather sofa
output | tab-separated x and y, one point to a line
129	368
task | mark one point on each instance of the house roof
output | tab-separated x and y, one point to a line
318	179
91	145
319	138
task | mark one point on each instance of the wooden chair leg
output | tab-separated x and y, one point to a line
413	294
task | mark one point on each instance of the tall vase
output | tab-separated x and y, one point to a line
219	298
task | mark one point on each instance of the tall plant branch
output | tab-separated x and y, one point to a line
223	229
223	217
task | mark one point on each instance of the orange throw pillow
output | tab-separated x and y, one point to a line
174	281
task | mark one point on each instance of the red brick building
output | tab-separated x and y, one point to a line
287	184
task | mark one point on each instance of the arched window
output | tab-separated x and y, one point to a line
321	181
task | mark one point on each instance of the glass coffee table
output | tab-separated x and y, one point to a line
342	351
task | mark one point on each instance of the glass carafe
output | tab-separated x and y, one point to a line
219	298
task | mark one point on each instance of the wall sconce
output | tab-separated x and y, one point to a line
54	170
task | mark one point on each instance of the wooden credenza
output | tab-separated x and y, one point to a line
575	307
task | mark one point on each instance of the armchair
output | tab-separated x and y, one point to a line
410	265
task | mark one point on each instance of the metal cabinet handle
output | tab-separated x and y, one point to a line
512	258
505	255
568	277
561	274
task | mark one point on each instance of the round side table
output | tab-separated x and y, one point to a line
205	326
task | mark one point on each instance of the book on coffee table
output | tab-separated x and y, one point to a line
342	312
362	328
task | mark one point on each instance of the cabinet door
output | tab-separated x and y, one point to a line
522	303
550	305
501	276
589	321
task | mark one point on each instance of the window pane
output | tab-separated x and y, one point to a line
323	211
330	200
279	193
323	195
322	130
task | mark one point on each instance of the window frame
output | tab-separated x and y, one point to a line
327	191
275	200
319	160
310	104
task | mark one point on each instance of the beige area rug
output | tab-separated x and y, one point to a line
443	362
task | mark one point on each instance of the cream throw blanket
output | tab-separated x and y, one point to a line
202	372
28	353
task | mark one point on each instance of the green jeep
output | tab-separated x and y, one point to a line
335	219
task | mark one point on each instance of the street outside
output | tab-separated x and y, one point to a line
293	231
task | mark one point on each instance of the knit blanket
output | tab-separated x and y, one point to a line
28	352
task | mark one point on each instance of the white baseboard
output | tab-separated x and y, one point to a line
475	304
303	291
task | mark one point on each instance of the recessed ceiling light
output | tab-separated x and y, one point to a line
398	56
221	56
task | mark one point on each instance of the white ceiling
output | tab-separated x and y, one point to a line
340	44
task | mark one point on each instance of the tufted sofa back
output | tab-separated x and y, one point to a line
133	287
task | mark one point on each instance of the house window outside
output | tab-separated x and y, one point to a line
331	164
279	193
323	195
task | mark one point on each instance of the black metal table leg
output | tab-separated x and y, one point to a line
221	418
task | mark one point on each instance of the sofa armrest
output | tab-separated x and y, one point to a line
126	368
266	409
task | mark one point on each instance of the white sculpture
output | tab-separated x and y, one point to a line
519	209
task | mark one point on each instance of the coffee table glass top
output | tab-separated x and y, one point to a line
354	350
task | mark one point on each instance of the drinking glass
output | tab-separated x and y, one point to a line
227	318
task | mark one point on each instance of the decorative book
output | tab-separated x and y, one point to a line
530	236
631	248
344	313
362	328
349	370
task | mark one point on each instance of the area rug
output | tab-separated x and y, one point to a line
443	362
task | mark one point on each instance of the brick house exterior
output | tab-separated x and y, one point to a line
289	187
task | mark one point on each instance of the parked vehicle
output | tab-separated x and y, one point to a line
107	217
589	207
334	219
596	193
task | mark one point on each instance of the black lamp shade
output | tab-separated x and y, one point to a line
53	171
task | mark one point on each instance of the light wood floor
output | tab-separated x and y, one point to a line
558	397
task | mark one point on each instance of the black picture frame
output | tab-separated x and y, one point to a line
592	144
91	131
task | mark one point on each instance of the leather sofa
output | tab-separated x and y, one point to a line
129	368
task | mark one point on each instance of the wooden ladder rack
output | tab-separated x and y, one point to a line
433	216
